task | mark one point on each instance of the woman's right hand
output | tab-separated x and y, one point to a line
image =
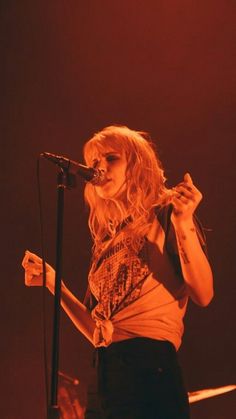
33	266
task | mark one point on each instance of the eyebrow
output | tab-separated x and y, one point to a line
107	154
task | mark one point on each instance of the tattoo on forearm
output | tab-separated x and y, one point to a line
184	256
182	252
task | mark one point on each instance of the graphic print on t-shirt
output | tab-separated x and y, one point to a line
119	277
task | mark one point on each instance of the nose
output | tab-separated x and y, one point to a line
102	165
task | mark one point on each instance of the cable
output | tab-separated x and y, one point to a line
45	361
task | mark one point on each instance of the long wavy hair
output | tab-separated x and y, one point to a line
145	186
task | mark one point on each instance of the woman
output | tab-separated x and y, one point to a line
148	259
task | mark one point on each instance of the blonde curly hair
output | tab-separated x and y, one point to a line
145	185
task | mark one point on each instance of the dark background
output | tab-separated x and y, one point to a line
69	68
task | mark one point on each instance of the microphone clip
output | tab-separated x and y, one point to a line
65	179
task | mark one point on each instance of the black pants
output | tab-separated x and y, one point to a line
138	378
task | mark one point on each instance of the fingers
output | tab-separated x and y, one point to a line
181	191
180	199
33	280
35	259
33	274
32	262
185	198
31	257
25	260
33	266
188	190
179	202
33	269
187	178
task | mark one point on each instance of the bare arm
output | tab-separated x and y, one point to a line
77	312
196	269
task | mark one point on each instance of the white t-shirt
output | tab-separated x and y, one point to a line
140	294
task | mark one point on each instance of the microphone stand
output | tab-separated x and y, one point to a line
64	180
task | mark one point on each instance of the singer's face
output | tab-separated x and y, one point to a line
114	165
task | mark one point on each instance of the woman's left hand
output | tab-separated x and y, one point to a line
186	197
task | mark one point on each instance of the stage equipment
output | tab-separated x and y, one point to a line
196	396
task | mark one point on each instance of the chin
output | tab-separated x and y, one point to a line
110	193
105	194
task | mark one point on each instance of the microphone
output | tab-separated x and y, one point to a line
95	176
